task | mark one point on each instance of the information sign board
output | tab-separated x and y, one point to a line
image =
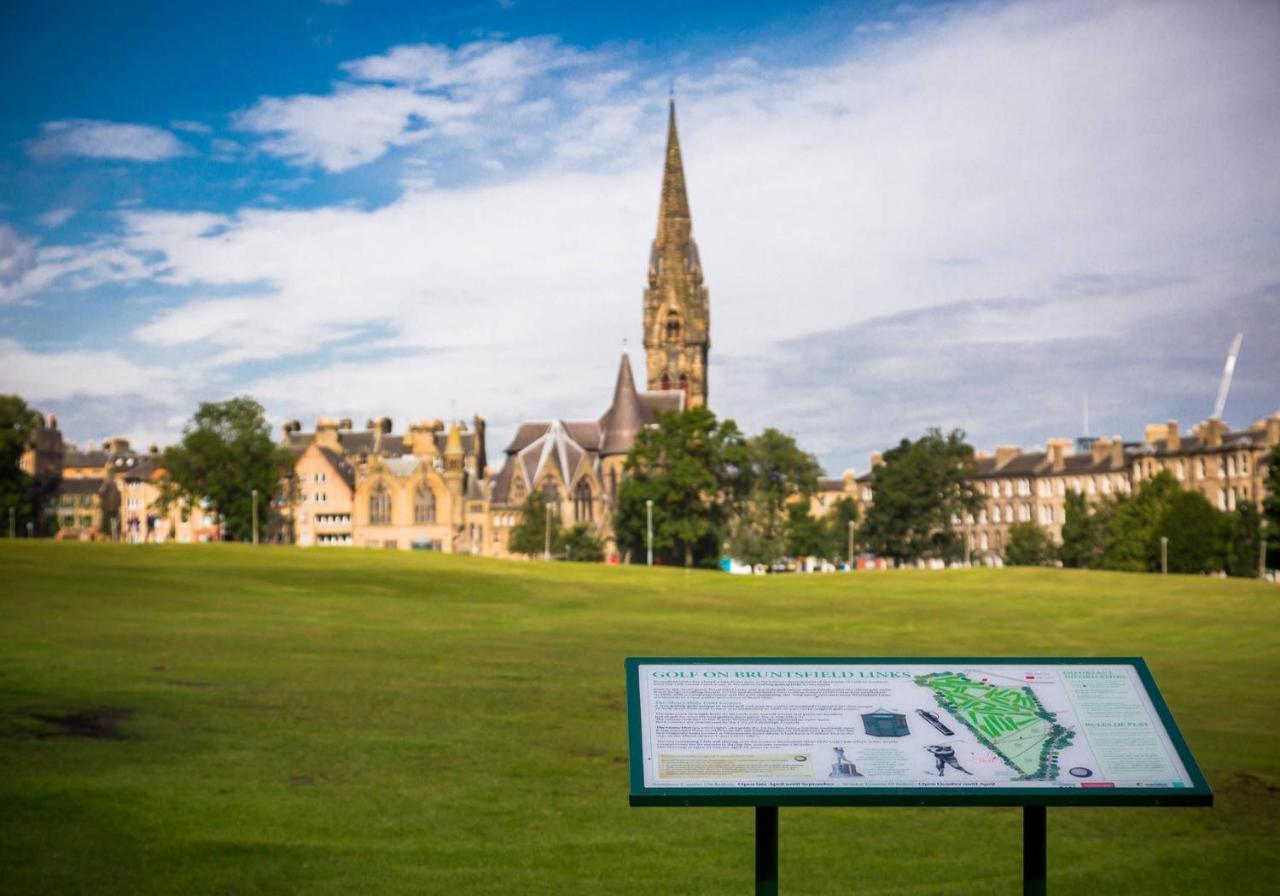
983	731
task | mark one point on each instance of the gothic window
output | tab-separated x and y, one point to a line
673	326
552	493
379	505
582	502
424	504
666	382
684	382
517	490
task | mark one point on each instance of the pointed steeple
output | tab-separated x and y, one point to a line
673	210
453	442
625	417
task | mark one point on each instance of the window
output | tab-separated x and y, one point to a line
424	504
684	382
1202	469
320	497
995	513
673	326
582	503
982	516
379	505
320	477
1244	464
666	382
517	490
982	541
552	493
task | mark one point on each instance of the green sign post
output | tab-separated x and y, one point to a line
1032	732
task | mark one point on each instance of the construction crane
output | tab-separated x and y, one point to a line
1227	371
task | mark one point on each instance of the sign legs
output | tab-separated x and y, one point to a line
1034	851
767	851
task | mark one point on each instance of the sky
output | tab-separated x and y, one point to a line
972	215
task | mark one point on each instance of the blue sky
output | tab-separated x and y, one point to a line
910	214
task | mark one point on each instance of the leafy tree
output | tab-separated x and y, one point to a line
806	534
226	452
580	546
1195	529
779	471
1271	507
1242	532
696	472
529	536
1084	533
920	488
1029	545
17	422
1132	542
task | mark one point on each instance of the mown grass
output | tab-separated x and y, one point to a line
347	722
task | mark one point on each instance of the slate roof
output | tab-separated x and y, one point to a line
85	459
85	486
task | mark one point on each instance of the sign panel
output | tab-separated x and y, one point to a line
967	731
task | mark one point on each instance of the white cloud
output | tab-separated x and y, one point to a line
54	375
1056	177
409	95
56	217
191	127
104	140
17	258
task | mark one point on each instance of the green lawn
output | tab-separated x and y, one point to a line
349	722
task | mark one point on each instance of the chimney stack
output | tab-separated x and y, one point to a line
1173	440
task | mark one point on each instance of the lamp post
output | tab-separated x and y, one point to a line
255	516
1164	555
850	545
546	535
13	522
648	513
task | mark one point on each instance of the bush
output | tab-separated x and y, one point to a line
1029	545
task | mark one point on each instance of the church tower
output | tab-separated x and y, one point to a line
677	308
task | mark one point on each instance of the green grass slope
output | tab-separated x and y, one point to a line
220	719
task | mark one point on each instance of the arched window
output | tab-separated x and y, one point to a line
666	382
582	503
684	382
379	505
552	493
673	326
424	504
517	491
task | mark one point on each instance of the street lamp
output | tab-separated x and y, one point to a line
13	522
850	544
255	516
648	513
1164	555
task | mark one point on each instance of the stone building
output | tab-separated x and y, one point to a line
677	306
577	464
1016	486
421	489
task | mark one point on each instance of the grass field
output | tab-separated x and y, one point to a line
225	720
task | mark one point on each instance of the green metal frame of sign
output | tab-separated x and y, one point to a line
1198	794
1034	801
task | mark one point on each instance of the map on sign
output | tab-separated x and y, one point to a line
858	725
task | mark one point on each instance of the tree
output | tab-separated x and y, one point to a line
529	536
580	546
1132	540
226	452
806	534
1271	507
1195	530
1084	533
779	471
1029	545
920	488
17	422
696	471
1242	534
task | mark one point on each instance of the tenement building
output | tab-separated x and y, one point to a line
1016	486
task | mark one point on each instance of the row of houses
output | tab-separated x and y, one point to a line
430	487
1226	466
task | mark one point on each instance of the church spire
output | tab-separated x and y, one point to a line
673	210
